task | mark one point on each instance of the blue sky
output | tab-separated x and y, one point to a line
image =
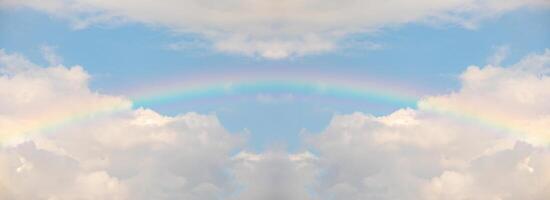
425	57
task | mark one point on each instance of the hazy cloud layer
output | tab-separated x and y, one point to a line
275	29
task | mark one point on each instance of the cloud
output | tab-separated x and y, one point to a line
51	56
45	96
513	98
118	153
275	175
275	29
427	154
500	54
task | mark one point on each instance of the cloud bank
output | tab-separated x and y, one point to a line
141	154
127	154
421	154
274	29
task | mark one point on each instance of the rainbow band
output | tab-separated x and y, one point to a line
51	123
222	90
184	92
292	87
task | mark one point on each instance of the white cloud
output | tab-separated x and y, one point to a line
429	153
513	98
119	153
275	29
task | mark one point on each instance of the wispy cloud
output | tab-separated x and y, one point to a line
275	29
501	52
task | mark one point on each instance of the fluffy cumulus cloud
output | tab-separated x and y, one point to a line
62	141
454	151
275	28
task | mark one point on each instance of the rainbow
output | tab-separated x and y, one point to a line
218	87
251	88
493	121
50	122
225	87
307	83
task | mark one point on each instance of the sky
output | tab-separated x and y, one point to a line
296	100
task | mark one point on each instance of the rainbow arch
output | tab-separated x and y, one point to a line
244	88
210	89
224	89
